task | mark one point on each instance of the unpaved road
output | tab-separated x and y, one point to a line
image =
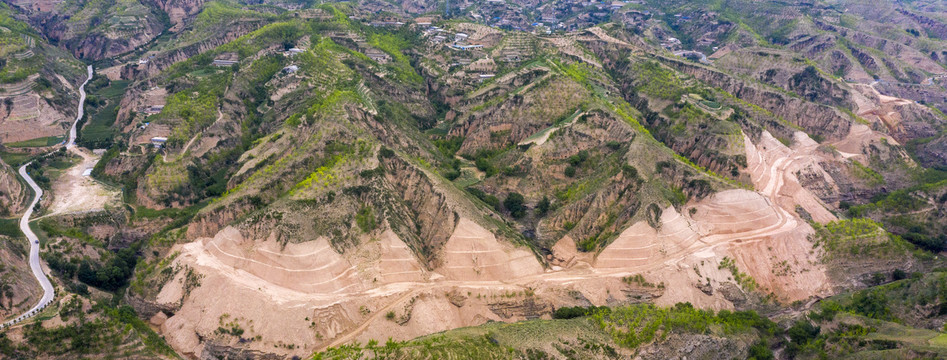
769	184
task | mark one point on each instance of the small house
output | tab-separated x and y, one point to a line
378	56
224	63
158	141
153	109
226	59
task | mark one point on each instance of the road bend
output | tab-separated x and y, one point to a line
35	264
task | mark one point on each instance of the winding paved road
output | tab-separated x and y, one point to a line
35	265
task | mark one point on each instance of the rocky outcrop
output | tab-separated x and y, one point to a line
890	48
529	308
934	153
18	289
813	179
12	197
512	121
810	84
146	308
178	10
866	60
856	273
425	219
87	40
840	64
213	351
210	223
932	95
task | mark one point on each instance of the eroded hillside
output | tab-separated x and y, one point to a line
298	177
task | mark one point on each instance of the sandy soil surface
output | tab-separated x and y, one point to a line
113	73
569	46
73	192
601	34
389	295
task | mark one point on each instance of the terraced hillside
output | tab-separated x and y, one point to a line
688	178
37	82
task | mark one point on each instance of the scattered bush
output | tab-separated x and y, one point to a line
898	274
802	332
543	206
366	219
872	304
578	159
491	200
571	312
385	153
514	204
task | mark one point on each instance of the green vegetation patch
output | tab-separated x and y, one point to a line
11	228
658	81
96	132
745	280
635	325
394	44
365	218
103	331
14	159
868	174
53	229
857	237
37	142
534	339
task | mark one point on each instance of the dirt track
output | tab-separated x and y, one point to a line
758	229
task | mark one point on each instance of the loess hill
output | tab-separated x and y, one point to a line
683	178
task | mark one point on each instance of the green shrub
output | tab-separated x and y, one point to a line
514	204
543	206
491	200
571	312
578	159
588	245
385	153
802	332
898	274
873	304
365	218
760	351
